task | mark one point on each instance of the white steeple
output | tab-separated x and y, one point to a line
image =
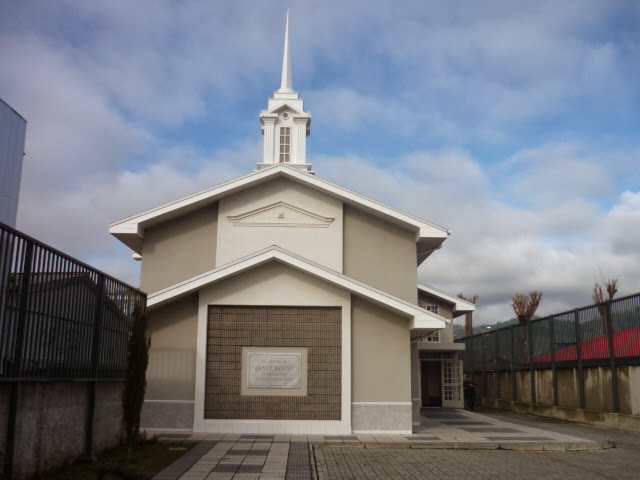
285	82
284	124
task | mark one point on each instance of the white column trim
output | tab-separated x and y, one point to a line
269	133
201	367
346	365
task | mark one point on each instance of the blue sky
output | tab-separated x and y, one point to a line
514	124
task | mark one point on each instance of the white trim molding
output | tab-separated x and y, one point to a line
381	403
306	219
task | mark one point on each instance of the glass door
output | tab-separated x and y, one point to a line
452	384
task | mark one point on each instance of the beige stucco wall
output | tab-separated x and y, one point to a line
380	254
173	329
274	284
322	244
179	249
381	368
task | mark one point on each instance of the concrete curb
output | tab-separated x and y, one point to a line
529	447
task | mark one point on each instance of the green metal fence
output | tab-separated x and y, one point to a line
605	334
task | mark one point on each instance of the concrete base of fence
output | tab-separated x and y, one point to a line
51	423
606	419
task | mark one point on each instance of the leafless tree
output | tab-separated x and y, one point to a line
611	287
525	305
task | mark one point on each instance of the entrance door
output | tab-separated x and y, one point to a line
452	384
431	382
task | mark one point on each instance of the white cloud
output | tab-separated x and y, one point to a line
132	104
497	249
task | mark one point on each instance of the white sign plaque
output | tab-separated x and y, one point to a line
273	370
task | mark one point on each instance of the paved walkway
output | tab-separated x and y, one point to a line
448	444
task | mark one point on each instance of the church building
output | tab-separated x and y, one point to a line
279	302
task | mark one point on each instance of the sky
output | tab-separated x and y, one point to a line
515	124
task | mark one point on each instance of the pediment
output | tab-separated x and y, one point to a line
280	214
284	107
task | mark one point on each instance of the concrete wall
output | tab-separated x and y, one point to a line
380	254
303	234
381	370
51	423
179	249
597	391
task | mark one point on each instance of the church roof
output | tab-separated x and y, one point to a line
459	305
420	319
130	230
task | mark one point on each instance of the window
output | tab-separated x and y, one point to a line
432	308
285	144
426	355
432	337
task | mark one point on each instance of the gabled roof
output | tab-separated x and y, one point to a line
419	318
130	230
460	306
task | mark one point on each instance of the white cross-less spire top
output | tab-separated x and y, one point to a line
284	124
285	84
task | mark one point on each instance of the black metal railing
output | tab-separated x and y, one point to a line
60	318
604	334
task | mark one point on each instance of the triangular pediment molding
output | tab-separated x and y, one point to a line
280	214
285	107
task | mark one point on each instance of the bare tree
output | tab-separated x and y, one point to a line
611	287
468	319
525	305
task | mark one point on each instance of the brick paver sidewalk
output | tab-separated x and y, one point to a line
448	444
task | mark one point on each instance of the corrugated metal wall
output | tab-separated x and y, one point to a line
12	134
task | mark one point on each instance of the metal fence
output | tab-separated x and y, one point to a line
605	334
60	319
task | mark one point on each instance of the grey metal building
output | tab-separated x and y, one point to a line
12	136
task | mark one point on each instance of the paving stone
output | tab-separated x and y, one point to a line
438	450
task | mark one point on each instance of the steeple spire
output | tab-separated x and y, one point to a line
285	82
284	124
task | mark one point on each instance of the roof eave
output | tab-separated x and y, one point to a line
460	306
427	234
419	316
